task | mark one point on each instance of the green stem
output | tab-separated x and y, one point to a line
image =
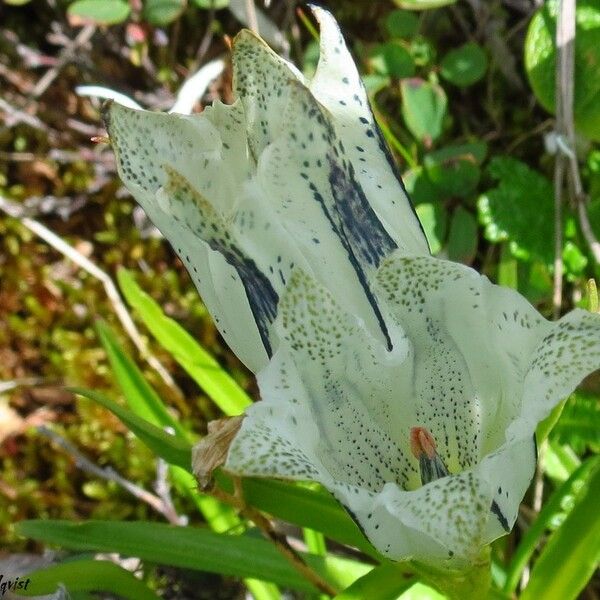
472	583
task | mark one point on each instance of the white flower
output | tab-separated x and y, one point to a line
410	387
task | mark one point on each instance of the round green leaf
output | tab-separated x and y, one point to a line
401	24
392	59
423	108
519	210
454	170
208	4
162	12
103	12
419	187
462	240
422	4
540	62
465	65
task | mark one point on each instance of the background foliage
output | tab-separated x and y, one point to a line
464	92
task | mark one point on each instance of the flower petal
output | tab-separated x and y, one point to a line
205	203
508	471
330	412
353	410
446	402
568	353
313	191
338	87
260	81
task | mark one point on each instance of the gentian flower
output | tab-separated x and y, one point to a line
408	386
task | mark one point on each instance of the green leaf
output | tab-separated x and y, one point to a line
540	62
560	461
200	365
87	575
419	187
214	4
140	395
385	582
423	109
422	4
508	274
420	591
162	12
192	548
464	66
519	210
392	59
553	506
422	51
574	260
302	506
103	12
462	240
454	170
579	424
401	24
434	219
172	449
571	556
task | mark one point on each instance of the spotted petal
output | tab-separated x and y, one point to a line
247	191
332	411
337	86
468	361
192	175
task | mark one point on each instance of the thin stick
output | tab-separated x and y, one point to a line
565	124
565	36
559	170
251	16
109	474
13	210
66	55
237	501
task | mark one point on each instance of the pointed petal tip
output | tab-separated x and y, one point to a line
249	38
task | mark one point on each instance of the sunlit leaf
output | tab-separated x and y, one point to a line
464	66
540	62
201	366
571	556
103	12
162	12
86	575
192	548
423	108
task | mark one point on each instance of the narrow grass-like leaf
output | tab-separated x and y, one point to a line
315	541
173	450
140	395
87	575
146	403
385	582
572	554
560	461
193	548
199	364
304	507
552	506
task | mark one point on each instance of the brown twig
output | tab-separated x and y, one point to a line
559	170
109	474
66	55
237	501
12	209
565	124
